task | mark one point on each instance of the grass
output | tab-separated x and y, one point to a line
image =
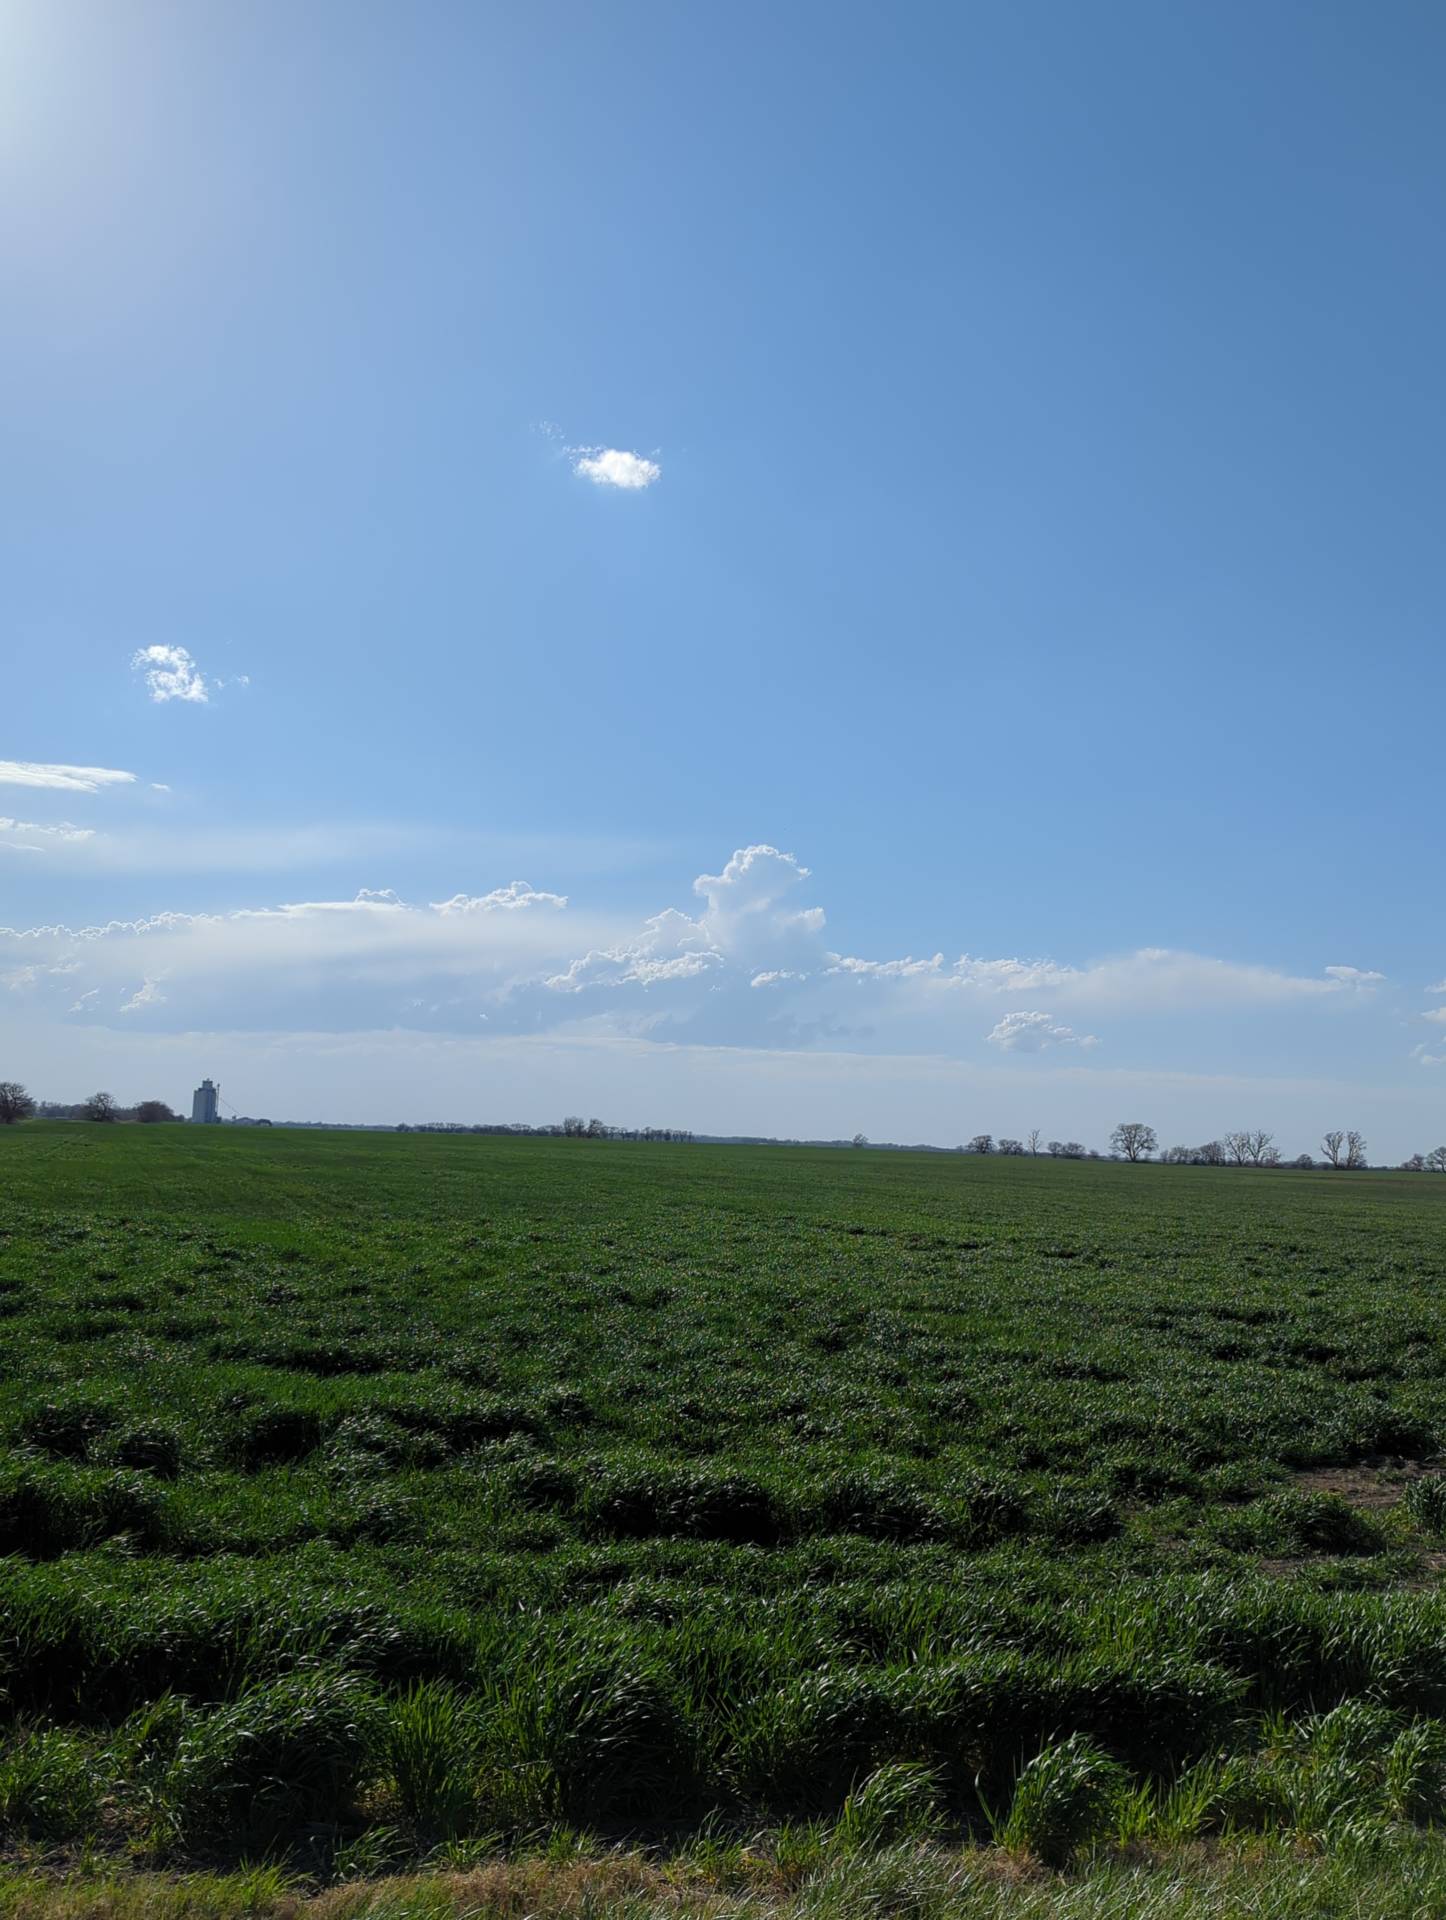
369	1501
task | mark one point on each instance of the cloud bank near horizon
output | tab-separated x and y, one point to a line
749	963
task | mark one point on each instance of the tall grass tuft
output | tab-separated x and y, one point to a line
1065	1801
898	1801
432	1747
49	1787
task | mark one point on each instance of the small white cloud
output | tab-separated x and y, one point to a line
517	893
378	897
1357	979
148	994
171	674
34	773
36	838
1033	1032
1440	987
1437	1014
1423	1055
770	977
159	786
612	467
83	1004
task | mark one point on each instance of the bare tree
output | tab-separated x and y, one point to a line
1437	1158
1011	1146
150	1111
15	1103
1259	1148
859	1140
1414	1163
1355	1151
982	1143
1032	1140
1303	1161
1236	1147
1134	1140
1333	1147
101	1106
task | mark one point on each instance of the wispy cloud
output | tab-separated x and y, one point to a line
171	674
148	994
26	836
1034	1032
612	467
35	773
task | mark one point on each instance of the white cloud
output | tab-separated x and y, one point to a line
611	467
34	773
1423	1055
148	994
1356	979
171	674
83	1004
746	914
750	966
517	893
25	836
669	947
1440	987
1033	1032
1436	1013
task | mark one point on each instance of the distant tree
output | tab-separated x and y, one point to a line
1333	1146
101	1106
1178	1156
1304	1162
15	1103
150	1111
1032	1141
1134	1140
1235	1148
1355	1151
1259	1148
859	1140
1212	1154
982	1143
1011	1146
1437	1158
1066	1150
1055	1149
1414	1163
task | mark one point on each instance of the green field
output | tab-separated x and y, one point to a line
370	1501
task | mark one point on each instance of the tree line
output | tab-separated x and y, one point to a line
571	1128
1342	1149
17	1104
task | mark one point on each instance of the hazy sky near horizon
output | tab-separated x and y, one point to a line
776	569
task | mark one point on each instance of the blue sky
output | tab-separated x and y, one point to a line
1037	416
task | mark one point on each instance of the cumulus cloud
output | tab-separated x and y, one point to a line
1034	1032
171	674
516	894
612	467
1436	1013
670	946
34	773
1423	1056
747	908
749	965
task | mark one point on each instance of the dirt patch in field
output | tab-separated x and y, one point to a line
1372	1489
